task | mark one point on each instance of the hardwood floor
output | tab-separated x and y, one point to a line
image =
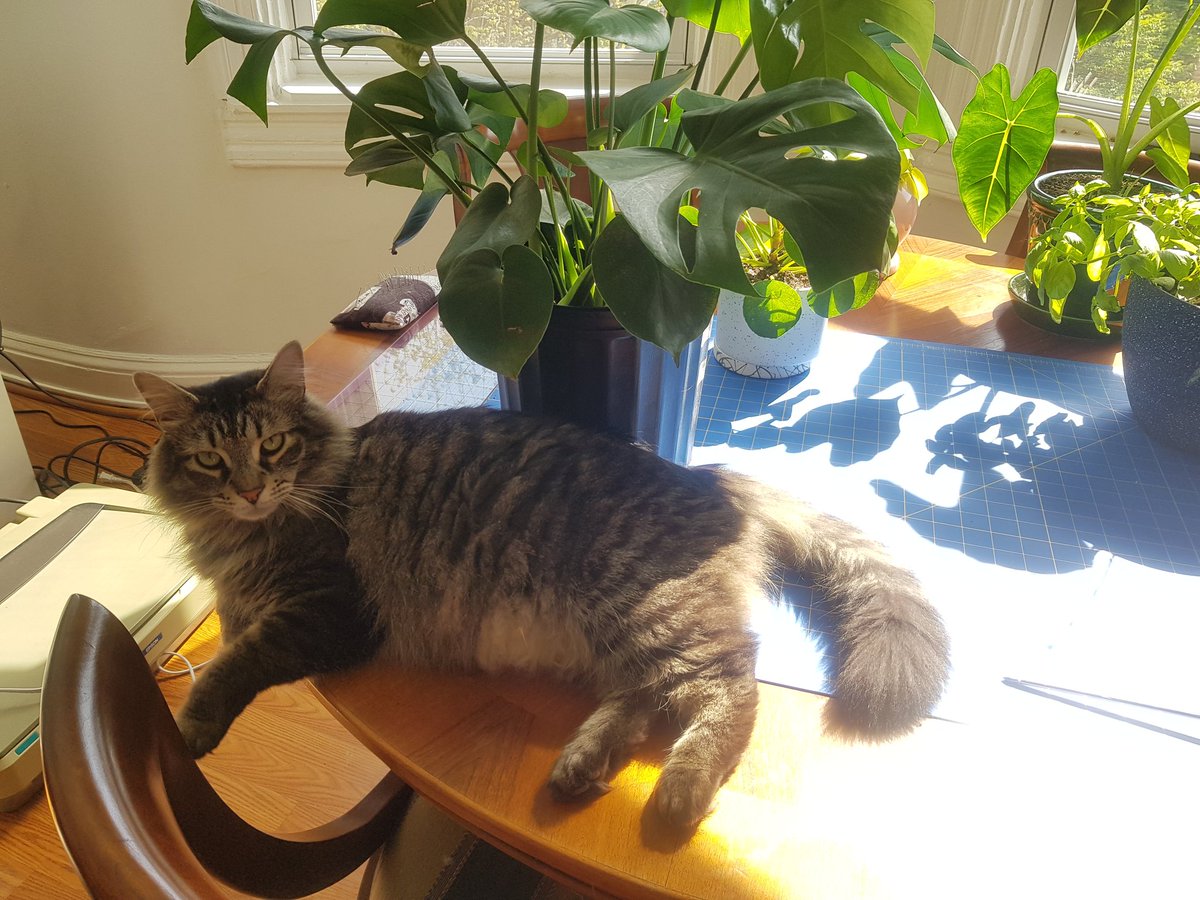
286	764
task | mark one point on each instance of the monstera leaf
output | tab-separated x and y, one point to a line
832	185
638	26
496	293
836	40
732	18
421	22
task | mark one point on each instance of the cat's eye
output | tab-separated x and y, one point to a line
273	443
209	459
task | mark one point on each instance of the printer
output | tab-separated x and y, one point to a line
104	542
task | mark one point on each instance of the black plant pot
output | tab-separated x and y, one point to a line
1161	350
588	369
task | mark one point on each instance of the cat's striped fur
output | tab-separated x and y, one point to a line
477	539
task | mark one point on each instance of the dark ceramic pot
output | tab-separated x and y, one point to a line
588	369
1162	364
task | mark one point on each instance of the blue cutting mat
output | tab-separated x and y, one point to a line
1019	489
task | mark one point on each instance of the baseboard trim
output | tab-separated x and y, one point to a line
104	376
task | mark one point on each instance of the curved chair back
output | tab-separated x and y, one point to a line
137	816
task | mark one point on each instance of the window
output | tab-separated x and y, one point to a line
307	114
1093	84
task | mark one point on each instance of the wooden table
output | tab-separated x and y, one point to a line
1053	802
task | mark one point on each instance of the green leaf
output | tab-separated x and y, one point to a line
552	106
406	54
651	301
389	162
948	52
423	22
775	35
1169	167
851	293
732	18
837	209
1002	143
249	84
493	222
399	100
425	205
638	26
1174	141
207	22
775	311
835	44
630	107
447	105
496	306
1097	19
1058	281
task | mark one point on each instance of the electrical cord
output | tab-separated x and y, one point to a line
190	668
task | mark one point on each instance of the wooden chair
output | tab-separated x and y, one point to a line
1070	155
137	816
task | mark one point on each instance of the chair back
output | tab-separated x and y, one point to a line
135	813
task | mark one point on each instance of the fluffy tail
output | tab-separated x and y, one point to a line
893	652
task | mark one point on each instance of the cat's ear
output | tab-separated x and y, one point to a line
169	402
285	375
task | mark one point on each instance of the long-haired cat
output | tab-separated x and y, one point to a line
474	539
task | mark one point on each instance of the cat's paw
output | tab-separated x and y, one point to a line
579	773
684	796
200	735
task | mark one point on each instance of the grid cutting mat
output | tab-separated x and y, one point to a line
1019	489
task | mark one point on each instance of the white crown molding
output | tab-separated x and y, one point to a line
104	376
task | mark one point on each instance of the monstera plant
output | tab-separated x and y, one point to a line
809	151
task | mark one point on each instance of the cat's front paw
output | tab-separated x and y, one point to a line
684	796
200	735
579	774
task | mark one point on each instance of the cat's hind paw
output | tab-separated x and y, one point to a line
684	796
579	775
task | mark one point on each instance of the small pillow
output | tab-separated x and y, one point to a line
392	305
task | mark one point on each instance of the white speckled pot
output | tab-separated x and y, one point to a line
739	349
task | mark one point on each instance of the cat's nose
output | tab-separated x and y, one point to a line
251	495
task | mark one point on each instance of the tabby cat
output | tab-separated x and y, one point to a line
482	540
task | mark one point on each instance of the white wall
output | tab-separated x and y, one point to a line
127	240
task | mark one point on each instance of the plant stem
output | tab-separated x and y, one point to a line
452	183
543	151
535	78
1148	138
660	65
733	67
708	40
749	89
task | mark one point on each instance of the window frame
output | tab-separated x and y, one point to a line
307	114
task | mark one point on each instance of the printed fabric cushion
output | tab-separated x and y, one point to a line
392	305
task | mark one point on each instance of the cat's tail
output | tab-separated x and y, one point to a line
892	648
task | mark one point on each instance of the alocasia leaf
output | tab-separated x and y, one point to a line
1097	19
1174	142
1002	143
831	185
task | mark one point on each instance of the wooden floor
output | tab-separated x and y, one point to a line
286	764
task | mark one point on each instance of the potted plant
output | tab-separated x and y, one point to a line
1003	141
809	151
1141	253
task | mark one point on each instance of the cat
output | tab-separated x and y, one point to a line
475	539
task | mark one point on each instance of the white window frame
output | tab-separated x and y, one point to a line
307	115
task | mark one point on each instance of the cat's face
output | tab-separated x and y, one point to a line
242	448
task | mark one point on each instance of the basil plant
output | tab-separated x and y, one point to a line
808	150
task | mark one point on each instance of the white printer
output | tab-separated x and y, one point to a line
106	543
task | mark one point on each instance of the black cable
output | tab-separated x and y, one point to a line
73	455
46	413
